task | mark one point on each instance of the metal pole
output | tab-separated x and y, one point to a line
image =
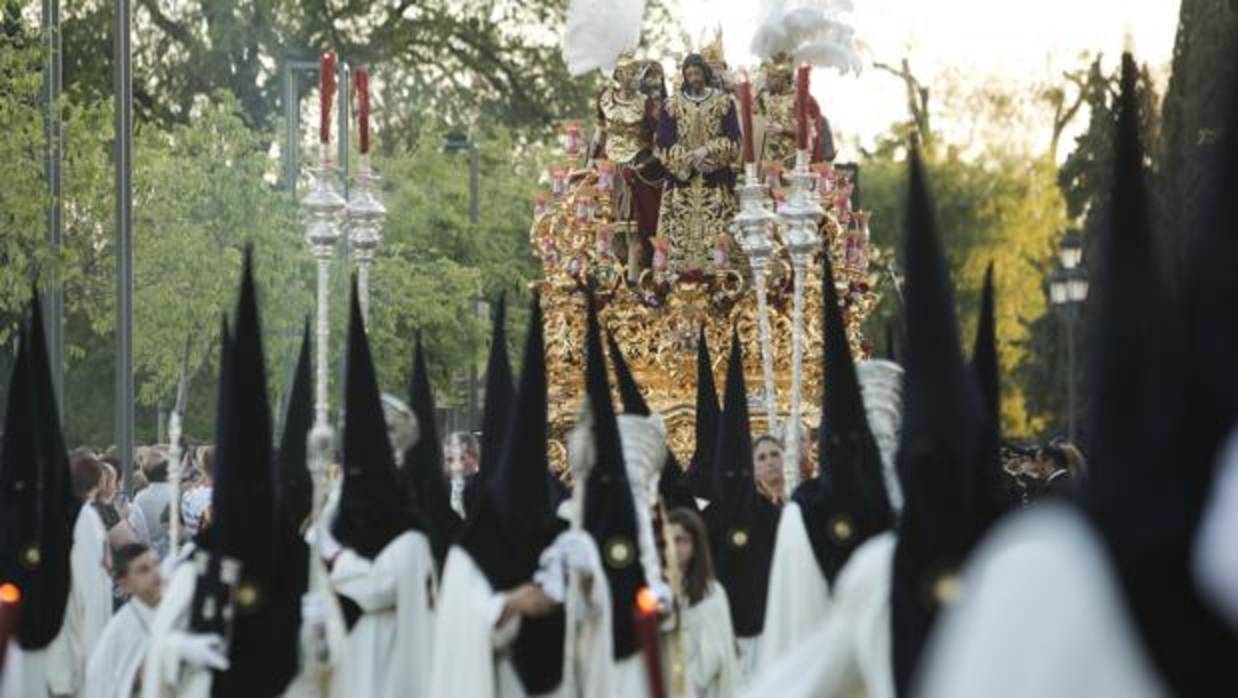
123	159
474	218
292	130
1070	372
53	129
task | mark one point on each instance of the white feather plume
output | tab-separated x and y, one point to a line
813	31
598	31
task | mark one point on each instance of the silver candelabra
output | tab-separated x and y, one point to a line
366	214
323	206
755	224
801	215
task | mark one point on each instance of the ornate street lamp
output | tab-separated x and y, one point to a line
1068	289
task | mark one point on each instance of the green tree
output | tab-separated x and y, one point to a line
1003	207
479	61
1197	105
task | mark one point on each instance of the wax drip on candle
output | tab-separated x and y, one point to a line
326	94
361	85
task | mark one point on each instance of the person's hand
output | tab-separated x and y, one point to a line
328	547
662	592
314	625
579	553
205	651
527	600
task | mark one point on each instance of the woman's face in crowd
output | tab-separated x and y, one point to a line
683	545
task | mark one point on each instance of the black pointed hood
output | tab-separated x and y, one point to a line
247	523
984	360
423	464
55	455
1146	494
294	474
708	413
848	503
610	512
514	521
741	522
500	393
36	533
986	370
942	442
374	504
629	392
672	481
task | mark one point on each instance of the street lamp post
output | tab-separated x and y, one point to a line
1068	289
455	142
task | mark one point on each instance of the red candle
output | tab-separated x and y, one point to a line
801	107
326	94
361	85
10	616
745	118
645	618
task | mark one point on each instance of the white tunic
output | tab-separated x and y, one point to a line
1216	555
88	609
712	667
164	673
1042	580
850	652
389	648
472	654
118	656
799	594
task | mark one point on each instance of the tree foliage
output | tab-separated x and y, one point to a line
1002	208
476	61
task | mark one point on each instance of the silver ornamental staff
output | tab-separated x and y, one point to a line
582	457
801	215
754	222
323	207
174	456
366	214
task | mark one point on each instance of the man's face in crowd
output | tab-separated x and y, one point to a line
143	580
768	462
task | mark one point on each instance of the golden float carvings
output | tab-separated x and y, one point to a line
656	320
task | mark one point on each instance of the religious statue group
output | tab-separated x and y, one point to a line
678	155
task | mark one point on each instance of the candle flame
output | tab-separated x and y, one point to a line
647	601
9	593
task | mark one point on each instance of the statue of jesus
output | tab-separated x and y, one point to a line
698	141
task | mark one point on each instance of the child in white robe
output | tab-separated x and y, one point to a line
115	666
705	636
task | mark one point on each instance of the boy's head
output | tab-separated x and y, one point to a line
137	572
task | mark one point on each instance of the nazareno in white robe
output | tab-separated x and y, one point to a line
472	653
164	674
389	648
89	606
118	656
1042	580
799	594
850	652
712	668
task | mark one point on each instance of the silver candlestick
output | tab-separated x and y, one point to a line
366	214
755	223
322	206
802	215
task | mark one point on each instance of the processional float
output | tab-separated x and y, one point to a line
784	224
